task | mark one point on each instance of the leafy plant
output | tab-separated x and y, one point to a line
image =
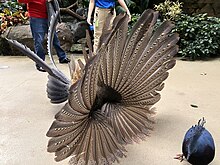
199	36
137	6
134	18
65	3
11	13
12	5
169	10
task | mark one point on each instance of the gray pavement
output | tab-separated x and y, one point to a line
26	113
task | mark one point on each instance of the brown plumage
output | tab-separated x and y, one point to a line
111	104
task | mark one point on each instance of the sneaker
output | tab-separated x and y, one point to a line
40	68
64	61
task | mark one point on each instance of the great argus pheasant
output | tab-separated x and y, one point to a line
111	104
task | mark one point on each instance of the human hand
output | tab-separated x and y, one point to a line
129	16
89	21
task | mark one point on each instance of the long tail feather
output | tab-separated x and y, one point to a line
51	32
58	83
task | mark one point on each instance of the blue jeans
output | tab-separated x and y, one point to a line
39	28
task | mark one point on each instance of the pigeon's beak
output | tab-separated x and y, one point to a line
187	158
188	155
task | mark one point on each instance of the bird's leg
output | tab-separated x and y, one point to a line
179	157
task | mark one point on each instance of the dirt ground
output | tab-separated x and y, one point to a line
26	114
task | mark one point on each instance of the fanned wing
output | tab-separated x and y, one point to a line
135	66
130	123
128	68
90	140
78	132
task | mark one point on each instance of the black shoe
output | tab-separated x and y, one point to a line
40	68
64	61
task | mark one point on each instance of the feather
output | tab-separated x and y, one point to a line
144	67
88	41
129	57
115	95
58	83
50	36
57	91
25	50
52	8
115	39
67	114
117	90
53	19
51	71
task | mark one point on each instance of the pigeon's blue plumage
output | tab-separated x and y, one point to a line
198	145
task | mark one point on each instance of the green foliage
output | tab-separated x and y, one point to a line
137	6
65	3
11	13
199	36
169	10
134	18
85	3
13	6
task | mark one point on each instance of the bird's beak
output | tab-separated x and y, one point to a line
188	155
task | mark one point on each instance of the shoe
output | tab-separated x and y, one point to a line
64	61
40	68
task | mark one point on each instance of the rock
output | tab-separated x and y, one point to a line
79	31
22	33
65	36
4	47
82	11
76	48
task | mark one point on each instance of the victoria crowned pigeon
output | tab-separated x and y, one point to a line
198	145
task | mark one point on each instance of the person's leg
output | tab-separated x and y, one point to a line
112	18
38	29
100	22
60	52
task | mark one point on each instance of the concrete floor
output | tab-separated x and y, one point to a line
26	114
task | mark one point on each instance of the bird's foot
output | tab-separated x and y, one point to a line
179	157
